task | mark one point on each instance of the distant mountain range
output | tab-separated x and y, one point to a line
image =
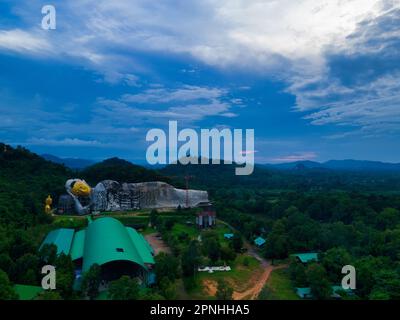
44	176
343	165
346	165
73	163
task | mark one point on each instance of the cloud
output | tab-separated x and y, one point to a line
360	87
23	42
247	33
302	156
66	142
183	94
185	104
340	59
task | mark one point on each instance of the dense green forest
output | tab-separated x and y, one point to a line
348	217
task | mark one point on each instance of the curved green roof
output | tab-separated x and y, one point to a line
61	238
107	240
78	244
306	257
143	247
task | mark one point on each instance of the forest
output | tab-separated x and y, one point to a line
347	217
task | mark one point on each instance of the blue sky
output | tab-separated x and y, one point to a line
317	80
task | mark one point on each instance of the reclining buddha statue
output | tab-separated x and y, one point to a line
109	195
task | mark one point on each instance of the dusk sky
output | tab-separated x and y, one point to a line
316	80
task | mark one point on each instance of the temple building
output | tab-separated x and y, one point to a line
206	218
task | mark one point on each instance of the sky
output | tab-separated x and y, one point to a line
316	80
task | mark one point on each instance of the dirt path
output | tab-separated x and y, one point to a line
253	292
258	282
157	243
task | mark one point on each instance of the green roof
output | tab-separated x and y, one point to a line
141	245
61	238
107	240
78	244
259	241
337	289
149	247
306	257
304	292
25	292
104	240
340	288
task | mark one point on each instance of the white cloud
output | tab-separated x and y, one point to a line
183	94
185	104
286	39
24	42
63	142
252	32
302	156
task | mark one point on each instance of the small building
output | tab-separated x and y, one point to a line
117	249
206	218
228	235
259	241
304	293
306	257
337	292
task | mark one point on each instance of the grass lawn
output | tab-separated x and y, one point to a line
279	287
221	229
191	230
243	269
75	222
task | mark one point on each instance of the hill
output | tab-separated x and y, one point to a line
120	170
25	181
344	165
73	163
298	177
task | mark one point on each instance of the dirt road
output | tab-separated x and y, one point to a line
154	239
257	282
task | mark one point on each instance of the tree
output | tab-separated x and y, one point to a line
277	241
237	242
318	280
388	218
125	288
224	291
91	282
48	254
49	295
211	245
6	263
333	261
151	295
167	288
153	217
65	275
227	254
366	273
378	294
27	269
6	289
190	259
166	265
298	274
